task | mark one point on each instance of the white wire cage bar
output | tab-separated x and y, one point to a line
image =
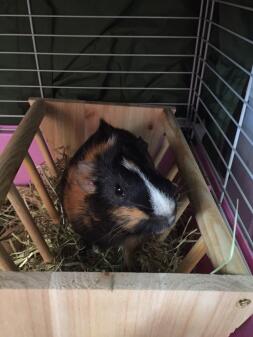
198	101
247	169
102	16
36	58
221	182
89	88
93	54
194	104
99	71
101	36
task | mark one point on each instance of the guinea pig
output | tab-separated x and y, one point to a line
112	193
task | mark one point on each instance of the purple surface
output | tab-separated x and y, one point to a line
245	330
167	162
22	177
247	252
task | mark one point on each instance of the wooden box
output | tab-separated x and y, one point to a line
118	304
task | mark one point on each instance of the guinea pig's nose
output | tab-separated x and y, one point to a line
165	221
160	223
169	219
172	219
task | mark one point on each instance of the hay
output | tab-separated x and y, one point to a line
66	246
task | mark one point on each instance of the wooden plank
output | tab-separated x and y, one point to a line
172	172
6	263
214	230
15	151
192	258
46	153
164	148
38	183
125	305
182	205
69	123
25	217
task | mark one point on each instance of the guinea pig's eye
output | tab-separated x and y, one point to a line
119	191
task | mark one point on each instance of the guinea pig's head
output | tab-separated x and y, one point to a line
123	192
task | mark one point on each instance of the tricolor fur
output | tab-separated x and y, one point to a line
111	189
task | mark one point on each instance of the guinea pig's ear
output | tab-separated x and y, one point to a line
86	179
142	144
105	128
143	148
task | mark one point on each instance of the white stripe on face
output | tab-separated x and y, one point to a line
162	205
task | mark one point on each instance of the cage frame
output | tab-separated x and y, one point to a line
205	24
215	232
187	295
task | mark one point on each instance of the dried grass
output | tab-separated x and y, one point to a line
70	254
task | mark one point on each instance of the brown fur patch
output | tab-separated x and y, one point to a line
129	216
98	149
79	185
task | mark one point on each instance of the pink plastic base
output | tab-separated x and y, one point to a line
22	177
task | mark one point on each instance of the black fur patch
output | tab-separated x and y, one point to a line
97	221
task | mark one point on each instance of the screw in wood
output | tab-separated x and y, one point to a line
244	302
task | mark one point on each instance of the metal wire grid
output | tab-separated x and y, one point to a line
38	54
196	101
200	64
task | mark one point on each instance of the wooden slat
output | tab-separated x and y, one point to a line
165	146
69	123
182	205
193	257
25	217
46	153
15	151
214	230
38	183
122	305
172	172
161	153
6	263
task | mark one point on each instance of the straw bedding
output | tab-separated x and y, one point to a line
70	254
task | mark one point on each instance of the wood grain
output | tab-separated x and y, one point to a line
15	151
172	172
192	258
68	124
25	217
122	305
39	185
215	232
162	151
46	153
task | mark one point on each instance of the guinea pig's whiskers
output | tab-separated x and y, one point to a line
113	233
139	205
107	235
117	231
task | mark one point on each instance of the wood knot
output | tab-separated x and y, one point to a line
150	126
89	114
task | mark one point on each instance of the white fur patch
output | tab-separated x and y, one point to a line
162	205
